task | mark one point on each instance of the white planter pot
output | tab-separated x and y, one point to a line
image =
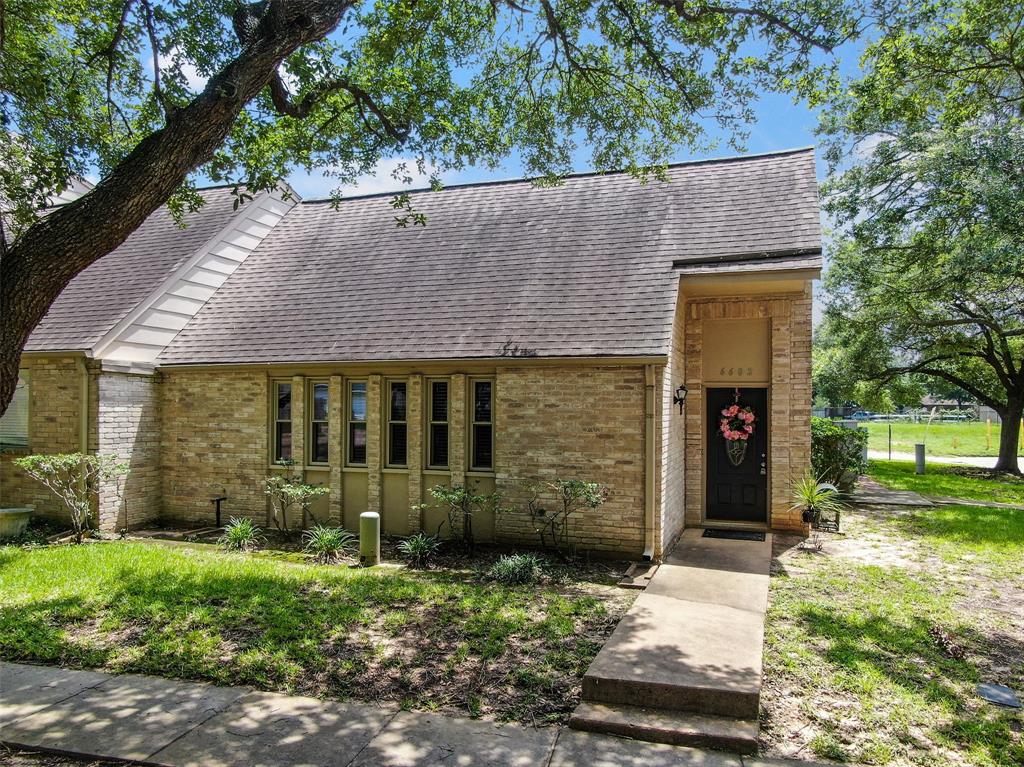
13	521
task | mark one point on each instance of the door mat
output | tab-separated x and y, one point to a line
735	535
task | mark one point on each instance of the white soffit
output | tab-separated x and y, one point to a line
146	330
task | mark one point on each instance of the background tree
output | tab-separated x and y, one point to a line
930	277
148	92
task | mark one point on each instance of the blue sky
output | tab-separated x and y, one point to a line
780	124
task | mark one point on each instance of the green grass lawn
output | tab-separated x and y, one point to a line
950	481
432	640
969	438
875	643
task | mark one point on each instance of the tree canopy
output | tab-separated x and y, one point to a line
148	93
929	277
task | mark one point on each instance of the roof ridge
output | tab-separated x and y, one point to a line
580	174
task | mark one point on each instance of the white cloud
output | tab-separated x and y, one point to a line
196	82
316	185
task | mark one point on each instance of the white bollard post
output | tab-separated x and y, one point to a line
369	539
919	458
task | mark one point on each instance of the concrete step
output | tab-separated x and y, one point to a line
676	728
686	656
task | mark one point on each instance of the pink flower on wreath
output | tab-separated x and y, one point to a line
736	423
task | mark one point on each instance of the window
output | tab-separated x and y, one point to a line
397	427
357	423
437	444
482	434
318	433
282	422
14	422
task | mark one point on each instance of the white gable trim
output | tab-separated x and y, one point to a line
144	332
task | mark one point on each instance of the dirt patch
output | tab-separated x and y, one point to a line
882	639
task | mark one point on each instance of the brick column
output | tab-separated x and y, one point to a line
414	457
374	444
458	432
299	424
335	451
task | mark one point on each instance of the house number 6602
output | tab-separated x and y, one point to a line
739	371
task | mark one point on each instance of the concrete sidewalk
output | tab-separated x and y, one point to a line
980	461
684	664
184	724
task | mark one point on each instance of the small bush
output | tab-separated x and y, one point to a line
837	453
241	535
517	569
328	544
419	549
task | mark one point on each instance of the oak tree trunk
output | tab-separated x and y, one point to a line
44	259
1009	437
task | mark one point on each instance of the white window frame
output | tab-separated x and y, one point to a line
21	408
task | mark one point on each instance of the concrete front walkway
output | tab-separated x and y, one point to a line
185	724
684	664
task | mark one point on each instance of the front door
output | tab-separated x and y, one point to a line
737	478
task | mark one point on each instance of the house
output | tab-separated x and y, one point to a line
592	330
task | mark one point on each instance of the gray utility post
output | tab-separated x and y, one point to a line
369	539
919	458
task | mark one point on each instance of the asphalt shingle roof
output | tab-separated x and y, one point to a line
582	269
105	292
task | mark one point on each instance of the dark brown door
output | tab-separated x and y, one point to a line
737	487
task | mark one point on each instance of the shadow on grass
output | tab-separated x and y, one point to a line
863	649
317	631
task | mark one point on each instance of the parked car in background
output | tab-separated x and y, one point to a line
862	415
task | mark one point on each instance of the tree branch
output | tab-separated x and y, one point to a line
771	19
284	105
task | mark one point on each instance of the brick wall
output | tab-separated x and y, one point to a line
789	397
585	423
550	422
54	406
214	442
129	426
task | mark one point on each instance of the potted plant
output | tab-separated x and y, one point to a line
817	501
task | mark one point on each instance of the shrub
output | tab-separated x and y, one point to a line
288	491
75	478
328	544
517	569
241	534
571	495
837	453
461	504
419	549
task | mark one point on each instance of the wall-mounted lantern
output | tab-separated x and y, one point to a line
679	397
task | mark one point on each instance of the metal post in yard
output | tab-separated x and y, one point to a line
919	457
890	440
369	539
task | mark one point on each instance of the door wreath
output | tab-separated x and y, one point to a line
736	426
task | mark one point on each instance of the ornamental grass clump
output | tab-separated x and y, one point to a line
517	569
816	500
327	545
418	550
241	534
